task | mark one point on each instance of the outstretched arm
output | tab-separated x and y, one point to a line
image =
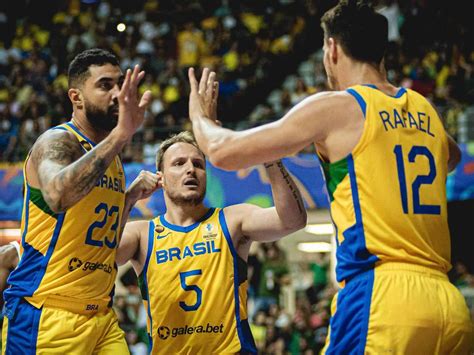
65	174
8	261
253	223
307	122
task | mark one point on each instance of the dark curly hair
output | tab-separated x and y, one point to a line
79	68
359	29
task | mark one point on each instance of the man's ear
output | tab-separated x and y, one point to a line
75	95
161	178
334	48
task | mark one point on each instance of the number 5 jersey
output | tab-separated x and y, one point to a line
194	287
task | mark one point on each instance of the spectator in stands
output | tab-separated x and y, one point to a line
273	275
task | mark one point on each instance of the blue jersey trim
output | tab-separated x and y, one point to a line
187	229
27	214
49	253
352	254
355	193
245	343
60	127
399	93
151	235
367	302
350	323
22	331
27	277
70	124
359	98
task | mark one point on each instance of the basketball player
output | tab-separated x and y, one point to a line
385	157
191	261
59	296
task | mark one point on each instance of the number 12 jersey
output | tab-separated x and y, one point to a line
388	197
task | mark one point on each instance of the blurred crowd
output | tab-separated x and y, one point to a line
251	45
436	61
237	40
281	323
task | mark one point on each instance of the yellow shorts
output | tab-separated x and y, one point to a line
399	309
57	331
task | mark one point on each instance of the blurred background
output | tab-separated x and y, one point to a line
268	57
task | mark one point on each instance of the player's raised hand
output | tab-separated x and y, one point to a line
131	109
144	185
203	96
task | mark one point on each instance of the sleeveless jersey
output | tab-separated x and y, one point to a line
388	197
70	254
194	287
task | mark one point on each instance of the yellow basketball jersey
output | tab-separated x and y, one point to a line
388	197
70	254
194	287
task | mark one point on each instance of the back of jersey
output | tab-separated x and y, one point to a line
388	197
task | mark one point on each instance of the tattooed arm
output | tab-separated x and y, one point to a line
248	223
64	173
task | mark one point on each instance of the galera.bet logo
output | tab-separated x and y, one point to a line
163	332
74	264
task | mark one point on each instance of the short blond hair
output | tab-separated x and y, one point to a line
182	137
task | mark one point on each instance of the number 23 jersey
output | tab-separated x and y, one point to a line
71	254
194	287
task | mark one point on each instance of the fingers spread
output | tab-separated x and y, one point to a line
210	85
135	72
145	100
140	76
203	81
215	91
126	84
192	80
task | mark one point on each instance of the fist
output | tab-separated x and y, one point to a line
144	185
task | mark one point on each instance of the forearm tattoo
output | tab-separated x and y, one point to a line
296	195
68	173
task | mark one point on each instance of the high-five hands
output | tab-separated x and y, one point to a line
203	96
132	111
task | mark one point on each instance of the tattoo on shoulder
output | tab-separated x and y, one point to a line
61	149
